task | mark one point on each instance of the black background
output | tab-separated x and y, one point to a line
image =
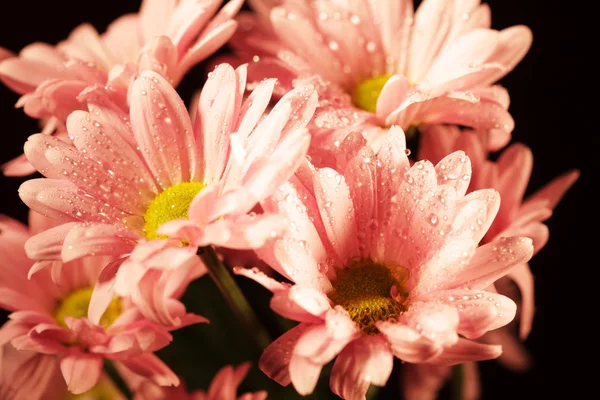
552	103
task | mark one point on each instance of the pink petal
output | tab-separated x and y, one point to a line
414	216
407	344
56	98
103	292
514	43
187	19
123	51
293	201
460	108
395	26
262	278
515	165
215	119
523	277
245	232
275	360
97	239
362	363
13	300
23	74
467	350
345	33
304	374
103	125
151	367
469	220
80	370
26	375
254	107
271	172
18	166
38	345
84	43
337	212
319	343
225	383
302	304
86	333
462	56
492	261
155	16
478	311
62	201
553	191
48	245
361	178
309	45
434	320
455	170
163	130
160	56
432	22
393	93
207	44
268	132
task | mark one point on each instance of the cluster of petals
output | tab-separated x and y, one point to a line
168	37
509	175
35	349
440	61
224	386
379	208
100	184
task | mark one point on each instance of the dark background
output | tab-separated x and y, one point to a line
551	102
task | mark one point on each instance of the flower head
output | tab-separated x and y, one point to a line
154	186
73	327
169	38
387	65
385	262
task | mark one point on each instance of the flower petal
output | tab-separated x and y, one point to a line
337	212
362	363
275	360
163	130
80	370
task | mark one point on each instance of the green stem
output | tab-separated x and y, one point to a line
234	296
117	379
457	382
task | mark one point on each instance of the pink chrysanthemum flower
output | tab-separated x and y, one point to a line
385	262
166	37
123	184
73	327
384	65
224	386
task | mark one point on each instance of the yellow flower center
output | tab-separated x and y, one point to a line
104	390
366	93
364	288
76	305
171	204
